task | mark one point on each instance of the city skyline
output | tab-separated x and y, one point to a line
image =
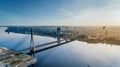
60	12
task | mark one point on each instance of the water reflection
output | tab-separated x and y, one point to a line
73	54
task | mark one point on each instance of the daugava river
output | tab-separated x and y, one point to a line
73	54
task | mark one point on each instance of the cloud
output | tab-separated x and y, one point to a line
74	12
93	15
67	13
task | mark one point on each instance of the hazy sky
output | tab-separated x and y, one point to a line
60	12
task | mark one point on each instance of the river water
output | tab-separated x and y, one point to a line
73	54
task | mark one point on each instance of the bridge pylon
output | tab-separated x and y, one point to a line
32	47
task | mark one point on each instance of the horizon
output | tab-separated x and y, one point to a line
58	26
59	33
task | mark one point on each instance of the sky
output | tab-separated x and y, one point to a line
60	12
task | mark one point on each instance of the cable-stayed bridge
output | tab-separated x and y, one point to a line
35	49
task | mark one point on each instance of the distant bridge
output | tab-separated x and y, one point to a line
32	48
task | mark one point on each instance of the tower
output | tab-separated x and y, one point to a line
58	31
58	34
32	47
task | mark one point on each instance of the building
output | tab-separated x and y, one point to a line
19	60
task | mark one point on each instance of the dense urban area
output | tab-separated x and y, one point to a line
101	34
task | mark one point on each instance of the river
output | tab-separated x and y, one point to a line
73	54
